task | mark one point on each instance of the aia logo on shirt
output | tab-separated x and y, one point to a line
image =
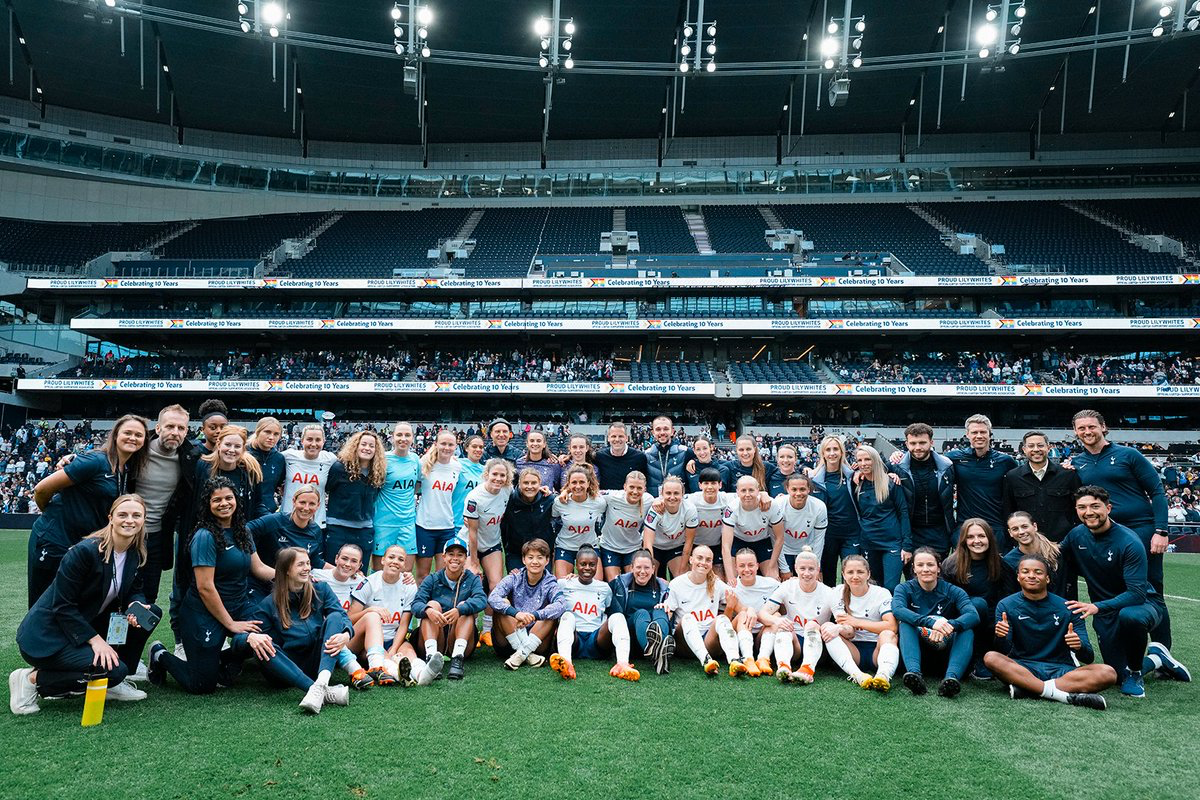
704	523
798	534
626	523
585	608
494	521
704	615
579	528
404	485
442	486
305	478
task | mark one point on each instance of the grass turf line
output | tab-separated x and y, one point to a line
530	733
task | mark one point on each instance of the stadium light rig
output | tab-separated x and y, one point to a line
841	50
556	35
262	16
1185	12
1000	32
410	30
698	45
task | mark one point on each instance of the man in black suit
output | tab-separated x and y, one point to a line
1042	488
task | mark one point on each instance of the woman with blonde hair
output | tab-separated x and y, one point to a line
261	445
351	490
695	598
833	480
440	474
580	507
883	516
230	459
621	533
867	640
64	635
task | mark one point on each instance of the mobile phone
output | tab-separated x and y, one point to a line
146	618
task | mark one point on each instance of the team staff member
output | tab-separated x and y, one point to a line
979	471
1140	504
501	445
589	628
440	473
215	604
832	483
65	635
786	460
231	461
1040	643
803	520
934	615
617	460
1030	542
748	461
703	448
302	628
529	603
978	568
1042	488
396	506
1124	605
157	485
538	456
307	465
579	454
278	531
639	597
267	433
883	516
930	491
529	516
447	603
580	507
75	500
665	456
351	491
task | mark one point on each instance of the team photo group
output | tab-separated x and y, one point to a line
377	565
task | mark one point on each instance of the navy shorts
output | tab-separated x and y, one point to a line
663	556
586	645
762	548
561	554
1046	670
611	558
489	551
866	656
430	543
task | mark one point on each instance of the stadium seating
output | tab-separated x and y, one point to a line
1175	217
773	372
574	230
660	229
1043	233
506	241
249	237
32	244
732	307
871	227
669	372
370	244
736	229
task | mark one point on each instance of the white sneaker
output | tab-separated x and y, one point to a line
125	692
514	661
433	670
314	698
22	695
142	674
337	695
179	652
534	660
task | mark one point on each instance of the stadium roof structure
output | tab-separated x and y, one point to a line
186	62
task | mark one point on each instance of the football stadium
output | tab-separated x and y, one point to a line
630	398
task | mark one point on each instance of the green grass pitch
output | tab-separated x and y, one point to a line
530	734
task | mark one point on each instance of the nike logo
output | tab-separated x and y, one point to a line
228	547
1019	616
111	476
1082	547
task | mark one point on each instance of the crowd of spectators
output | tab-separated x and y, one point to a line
1050	366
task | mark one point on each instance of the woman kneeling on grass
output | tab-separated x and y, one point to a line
380	608
695	598
528	604
302	628
866	640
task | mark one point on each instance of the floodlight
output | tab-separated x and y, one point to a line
542	27
986	35
424	15
272	13
829	46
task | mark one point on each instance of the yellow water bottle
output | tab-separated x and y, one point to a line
93	702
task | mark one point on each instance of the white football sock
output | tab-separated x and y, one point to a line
727	638
566	635
516	640
694	639
766	643
784	649
430	647
375	657
460	648
418	670
487	622
531	643
745	641
812	649
839	651
889	659
619	629
323	677
1051	692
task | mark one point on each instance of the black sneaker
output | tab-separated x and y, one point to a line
662	664
455	673
654	640
156	671
915	683
404	673
1017	693
950	688
1087	700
